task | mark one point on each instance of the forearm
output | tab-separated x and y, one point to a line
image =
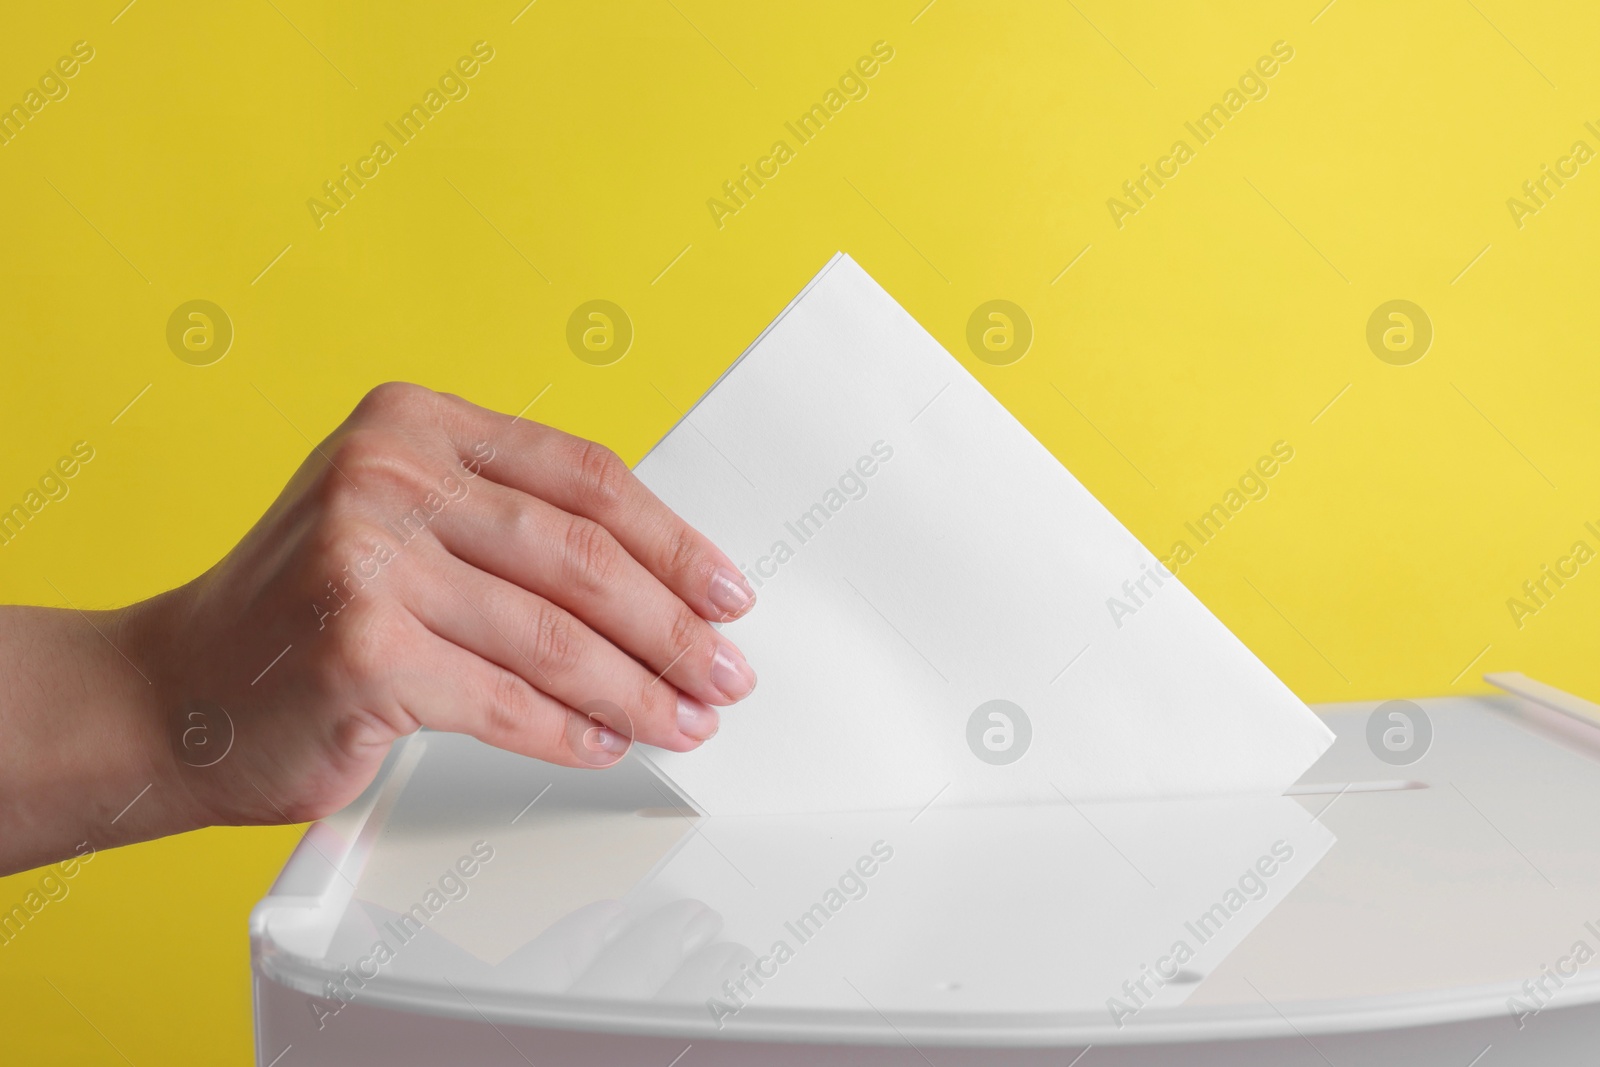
84	751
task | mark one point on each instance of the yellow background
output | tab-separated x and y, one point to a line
1223	317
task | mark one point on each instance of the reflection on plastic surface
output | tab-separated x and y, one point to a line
506	877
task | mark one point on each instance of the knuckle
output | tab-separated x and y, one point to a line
655	709
359	449
362	647
602	476
369	459
340	562
510	710
393	400
553	641
592	555
524	524
556	736
682	555
687	629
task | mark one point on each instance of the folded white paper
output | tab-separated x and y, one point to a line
934	616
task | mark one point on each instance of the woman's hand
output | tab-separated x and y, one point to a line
433	564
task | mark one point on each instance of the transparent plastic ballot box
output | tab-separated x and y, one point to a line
1429	893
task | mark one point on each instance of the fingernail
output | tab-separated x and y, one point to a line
730	673
730	592
602	747
695	719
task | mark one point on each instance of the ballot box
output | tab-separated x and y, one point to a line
1429	893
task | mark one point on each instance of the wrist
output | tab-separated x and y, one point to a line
152	704
84	765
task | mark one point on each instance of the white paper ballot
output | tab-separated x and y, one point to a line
932	618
